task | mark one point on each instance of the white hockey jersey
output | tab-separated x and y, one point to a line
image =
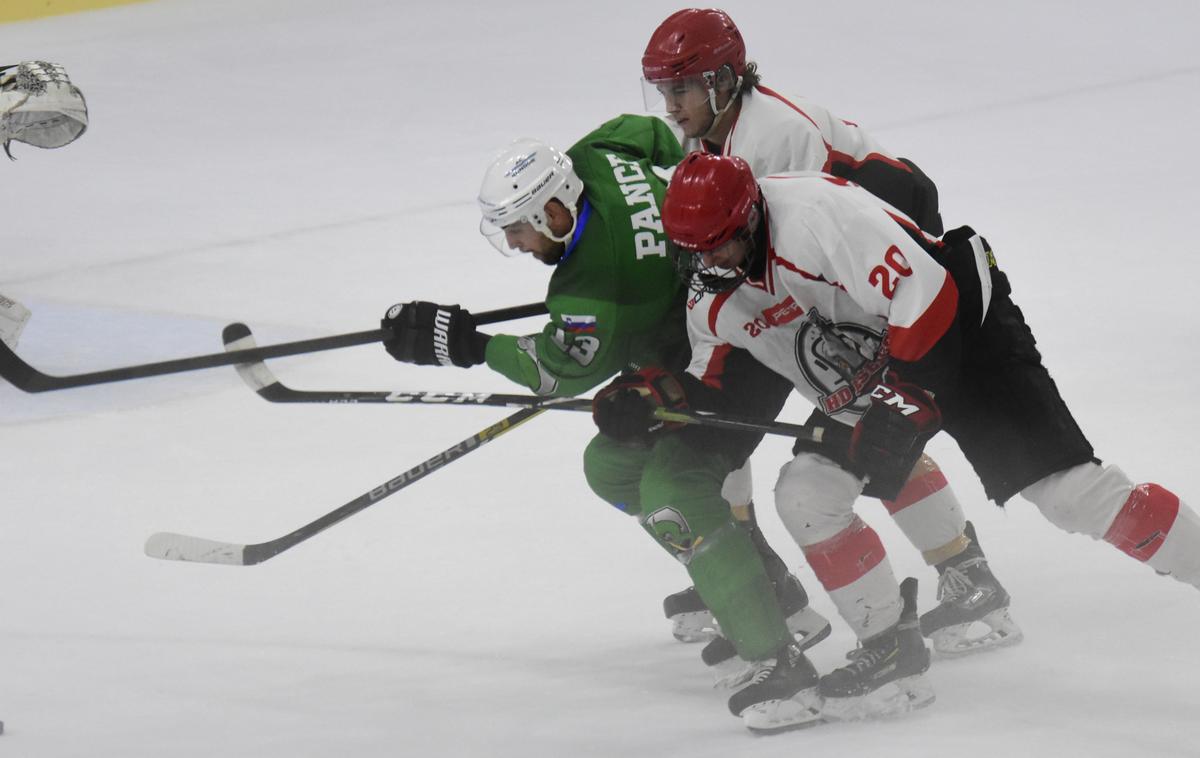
776	134
840	273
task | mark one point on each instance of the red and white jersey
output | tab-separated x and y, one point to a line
776	134
840	273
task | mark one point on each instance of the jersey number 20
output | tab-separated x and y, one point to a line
882	277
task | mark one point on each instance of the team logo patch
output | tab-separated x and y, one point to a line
579	324
671	528
838	361
776	315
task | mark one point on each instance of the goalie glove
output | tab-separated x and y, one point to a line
624	410
429	334
39	106
890	436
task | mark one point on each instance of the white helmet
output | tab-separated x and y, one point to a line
517	185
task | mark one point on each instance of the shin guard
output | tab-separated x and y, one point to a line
854	569
1142	524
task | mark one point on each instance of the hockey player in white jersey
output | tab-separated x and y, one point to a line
38	106
695	68
799	268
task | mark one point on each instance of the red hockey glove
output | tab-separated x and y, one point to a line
429	334
624	410
889	438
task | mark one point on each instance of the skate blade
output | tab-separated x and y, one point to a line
694	626
892	699
958	640
801	711
808	627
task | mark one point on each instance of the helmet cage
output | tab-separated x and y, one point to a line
699	277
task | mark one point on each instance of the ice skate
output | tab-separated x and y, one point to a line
885	676
972	612
782	694
690	618
808	627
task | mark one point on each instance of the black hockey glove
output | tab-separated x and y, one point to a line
624	410
890	436
429	334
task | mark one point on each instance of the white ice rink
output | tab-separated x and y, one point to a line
301	165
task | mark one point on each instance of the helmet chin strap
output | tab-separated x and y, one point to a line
719	113
544	228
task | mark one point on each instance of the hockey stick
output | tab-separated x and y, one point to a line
179	547
262	380
27	378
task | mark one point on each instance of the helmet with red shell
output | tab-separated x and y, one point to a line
711	200
694	42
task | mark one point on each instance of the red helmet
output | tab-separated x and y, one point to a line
710	201
691	42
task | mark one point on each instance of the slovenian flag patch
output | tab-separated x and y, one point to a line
579	324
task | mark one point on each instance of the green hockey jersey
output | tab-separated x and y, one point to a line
615	300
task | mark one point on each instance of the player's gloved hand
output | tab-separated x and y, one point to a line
890	436
624	410
429	334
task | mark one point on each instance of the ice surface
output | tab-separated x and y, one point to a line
301	165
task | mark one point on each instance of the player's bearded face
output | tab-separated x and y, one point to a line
522	236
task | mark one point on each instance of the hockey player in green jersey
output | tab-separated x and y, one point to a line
615	302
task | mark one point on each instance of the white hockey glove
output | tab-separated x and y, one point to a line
39	106
13	316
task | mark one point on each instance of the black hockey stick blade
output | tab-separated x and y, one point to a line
179	547
262	380
27	378
257	376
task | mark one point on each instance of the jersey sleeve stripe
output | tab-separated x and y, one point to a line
911	343
915	231
715	308
772	93
785	263
715	368
846	159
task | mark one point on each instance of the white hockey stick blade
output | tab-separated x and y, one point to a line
13	317
256	374
180	547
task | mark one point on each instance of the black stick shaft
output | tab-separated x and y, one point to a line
27	378
262	551
181	547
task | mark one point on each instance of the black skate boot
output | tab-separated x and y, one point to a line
807	626
781	695
885	673
690	618
972	612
